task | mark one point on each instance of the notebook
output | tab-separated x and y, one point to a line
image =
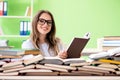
76	47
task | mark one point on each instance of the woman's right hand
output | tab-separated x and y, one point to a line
62	54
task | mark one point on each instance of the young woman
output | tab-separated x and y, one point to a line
43	36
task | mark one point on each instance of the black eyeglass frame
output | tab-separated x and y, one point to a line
42	21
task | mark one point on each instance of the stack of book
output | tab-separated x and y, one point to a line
110	42
38	65
16	53
109	60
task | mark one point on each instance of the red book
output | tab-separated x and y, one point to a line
1	8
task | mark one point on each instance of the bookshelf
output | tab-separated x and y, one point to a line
10	23
15	17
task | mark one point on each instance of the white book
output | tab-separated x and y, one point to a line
5	8
21	27
26	12
112	42
25	27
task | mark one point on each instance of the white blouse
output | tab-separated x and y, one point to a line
43	48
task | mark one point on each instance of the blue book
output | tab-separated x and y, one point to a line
25	27
28	28
21	27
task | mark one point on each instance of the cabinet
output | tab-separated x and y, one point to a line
10	24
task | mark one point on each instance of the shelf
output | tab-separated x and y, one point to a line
15	16
13	20
14	36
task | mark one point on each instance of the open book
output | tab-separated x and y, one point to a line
109	53
59	61
76	46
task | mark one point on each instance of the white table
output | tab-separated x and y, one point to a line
59	77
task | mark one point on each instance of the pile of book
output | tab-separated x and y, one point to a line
37	65
110	42
108	59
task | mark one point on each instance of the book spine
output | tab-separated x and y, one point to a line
112	42
25	27
5	3
21	27
1	8
29	28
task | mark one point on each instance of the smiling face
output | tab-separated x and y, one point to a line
44	24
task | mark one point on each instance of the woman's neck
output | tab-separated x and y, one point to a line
42	39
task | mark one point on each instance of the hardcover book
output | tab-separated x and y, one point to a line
76	47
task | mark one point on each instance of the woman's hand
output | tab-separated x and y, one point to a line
62	54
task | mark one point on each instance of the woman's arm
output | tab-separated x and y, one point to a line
62	50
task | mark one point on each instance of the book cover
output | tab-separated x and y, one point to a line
33	60
76	47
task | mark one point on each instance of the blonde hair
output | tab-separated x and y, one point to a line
51	39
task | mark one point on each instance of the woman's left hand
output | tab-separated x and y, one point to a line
62	54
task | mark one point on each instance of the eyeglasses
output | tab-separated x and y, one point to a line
43	21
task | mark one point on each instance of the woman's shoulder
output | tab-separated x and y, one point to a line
28	41
27	44
60	44
58	40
